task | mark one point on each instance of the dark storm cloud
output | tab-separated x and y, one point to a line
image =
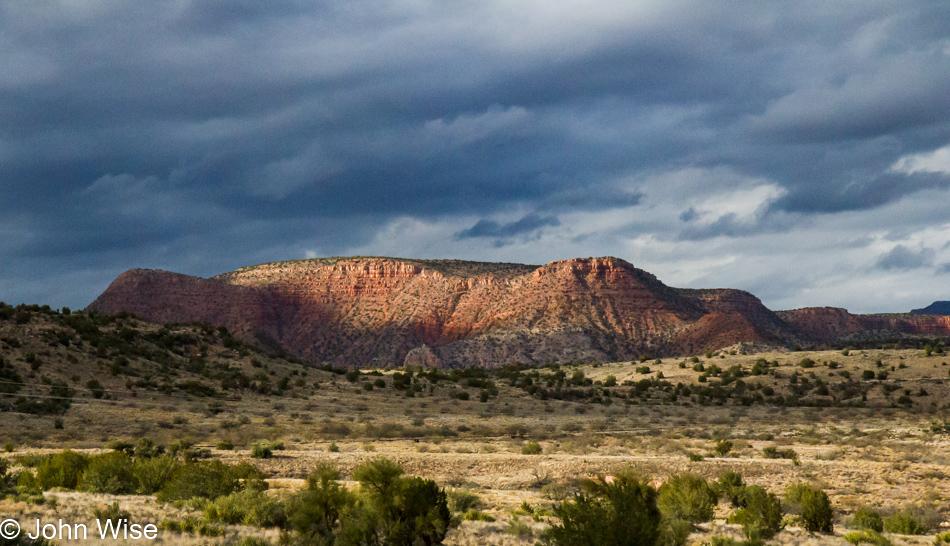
862	193
689	215
728	225
490	228
902	257
204	135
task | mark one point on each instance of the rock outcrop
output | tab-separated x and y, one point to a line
383	311
423	356
830	324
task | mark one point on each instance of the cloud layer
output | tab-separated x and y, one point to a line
799	151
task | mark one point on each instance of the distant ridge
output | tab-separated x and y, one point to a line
935	308
378	311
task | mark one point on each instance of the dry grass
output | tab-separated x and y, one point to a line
882	455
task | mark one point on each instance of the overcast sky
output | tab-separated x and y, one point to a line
798	150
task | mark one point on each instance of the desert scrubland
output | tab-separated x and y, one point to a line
509	446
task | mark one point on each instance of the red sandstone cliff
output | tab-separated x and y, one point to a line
375	311
829	324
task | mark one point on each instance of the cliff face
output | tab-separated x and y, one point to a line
163	297
828	324
376	311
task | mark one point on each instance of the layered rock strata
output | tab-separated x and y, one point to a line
379	311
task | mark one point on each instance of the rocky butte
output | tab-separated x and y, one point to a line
368	311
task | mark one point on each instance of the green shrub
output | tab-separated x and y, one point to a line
121	445
205	479
192	526
461	500
152	474
315	514
866	518
390	508
57	403
247	507
7	482
674	532
761	515
10	380
771	452
813	505
333	448
531	448
252	479
687	497
27	484
474	515
182	448
225	445
260	451
408	509
942	538
95	388
146	449
867	536
110	473
558	490
723	447
621	512
61	470
906	522
730	486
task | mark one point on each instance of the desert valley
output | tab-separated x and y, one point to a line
223	410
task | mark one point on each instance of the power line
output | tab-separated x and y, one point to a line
2	382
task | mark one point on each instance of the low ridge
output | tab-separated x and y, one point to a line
935	308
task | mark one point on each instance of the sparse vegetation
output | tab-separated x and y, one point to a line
867	519
760	513
687	497
620	511
812	505
531	448
187	391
